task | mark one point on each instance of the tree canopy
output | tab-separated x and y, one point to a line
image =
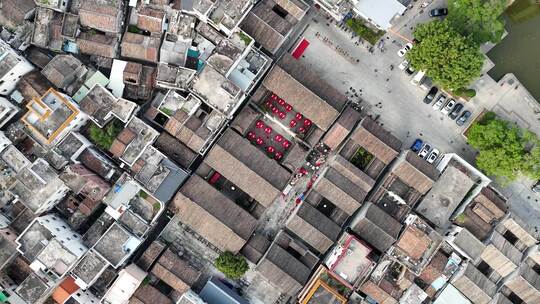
449	58
480	19
105	137
233	266
505	150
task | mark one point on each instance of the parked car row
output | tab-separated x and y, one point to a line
449	107
425	151
418	78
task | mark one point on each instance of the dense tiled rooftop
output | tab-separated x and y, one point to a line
142	142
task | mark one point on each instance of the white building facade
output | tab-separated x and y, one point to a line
125	285
7	111
59	253
12	67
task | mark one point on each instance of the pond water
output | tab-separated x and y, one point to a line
519	52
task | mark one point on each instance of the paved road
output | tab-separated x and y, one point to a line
404	26
524	203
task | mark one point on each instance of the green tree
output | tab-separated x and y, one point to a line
469	93
505	151
104	138
233	266
359	27
449	58
481	19
532	159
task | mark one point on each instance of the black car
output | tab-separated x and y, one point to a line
456	111
409	70
438	12
431	95
463	118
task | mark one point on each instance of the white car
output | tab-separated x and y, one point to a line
403	65
439	103
449	107
432	157
405	49
425	150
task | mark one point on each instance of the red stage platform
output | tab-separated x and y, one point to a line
300	48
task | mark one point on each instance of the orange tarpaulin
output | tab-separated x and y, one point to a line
65	290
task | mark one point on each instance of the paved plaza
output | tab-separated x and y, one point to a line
372	76
385	90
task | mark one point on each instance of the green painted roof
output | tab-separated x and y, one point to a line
97	78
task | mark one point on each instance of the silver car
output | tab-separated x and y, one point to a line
536	187
432	157
449	107
437	106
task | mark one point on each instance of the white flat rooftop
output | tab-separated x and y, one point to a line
450	295
380	12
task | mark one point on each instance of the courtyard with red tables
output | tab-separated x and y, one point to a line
286	114
264	134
